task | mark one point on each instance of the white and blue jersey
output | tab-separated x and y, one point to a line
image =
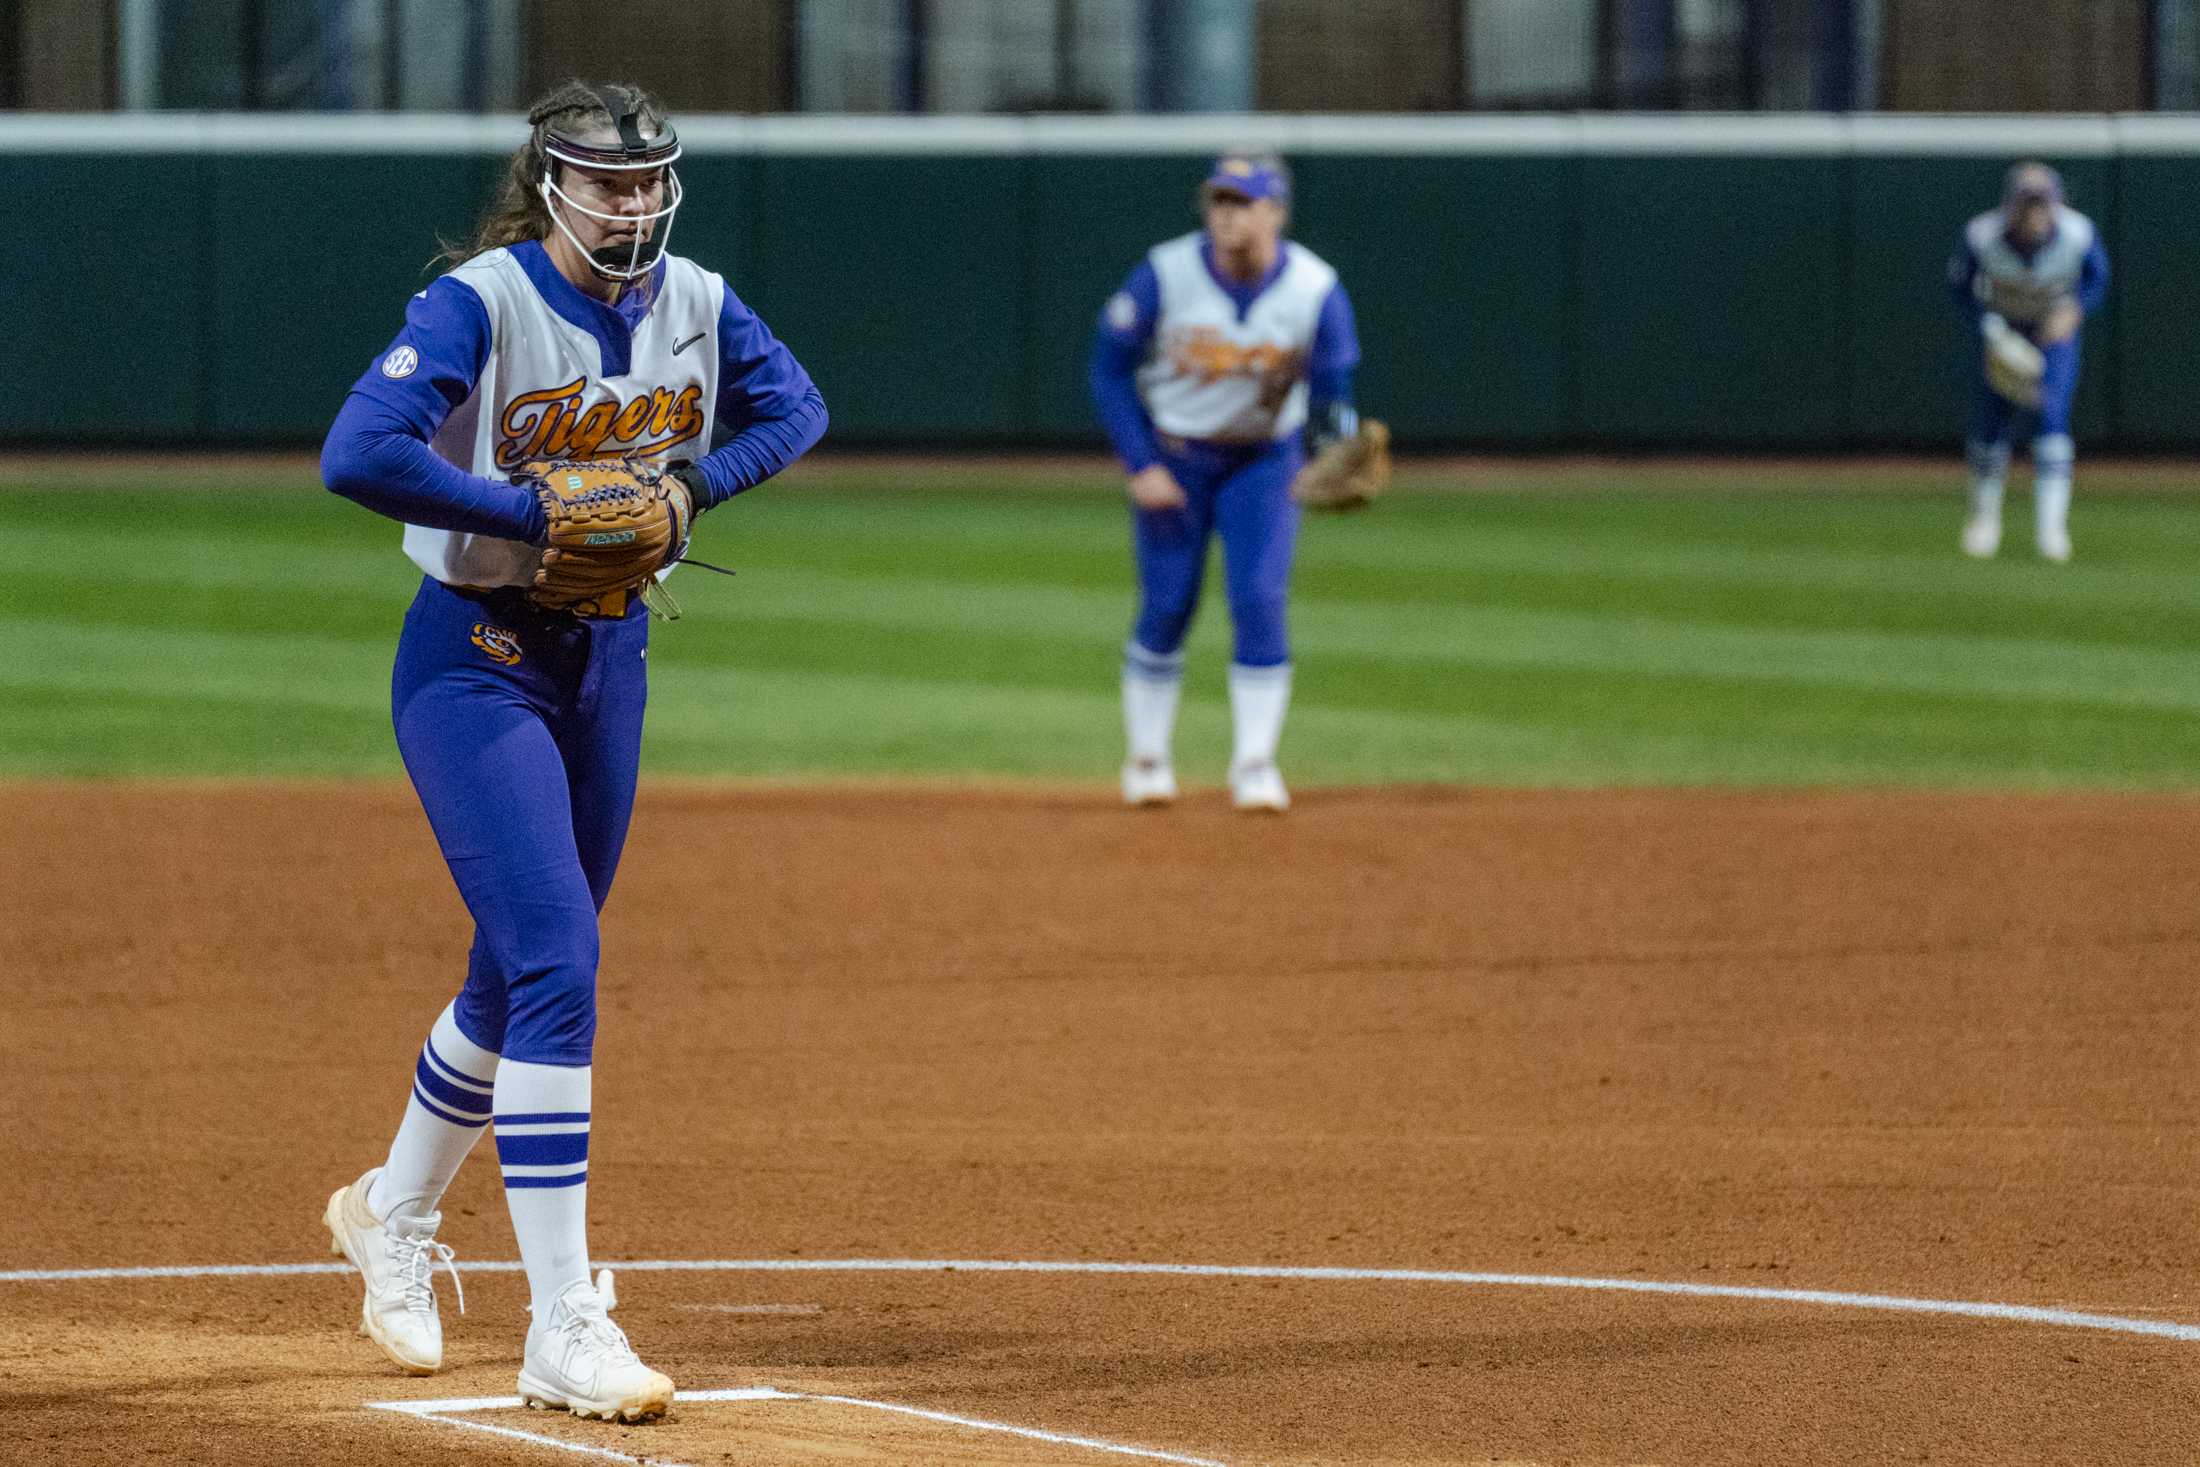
1989	273
1217	379
504	360
1188	353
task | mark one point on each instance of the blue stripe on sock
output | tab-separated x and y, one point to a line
455	1073
469	1122
450	1096
544	1118
573	1181
563	1148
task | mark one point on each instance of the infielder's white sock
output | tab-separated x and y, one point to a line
1259	697
2052	457
542	1145
1151	683
449	1109
1989	463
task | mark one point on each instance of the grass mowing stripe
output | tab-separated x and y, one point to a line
1588	636
277	671
1972	665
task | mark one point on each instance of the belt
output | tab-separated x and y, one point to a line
514	601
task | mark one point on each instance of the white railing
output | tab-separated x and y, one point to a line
2084	135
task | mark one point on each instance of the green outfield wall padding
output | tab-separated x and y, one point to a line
314	260
1504	299
725	229
108	337
899	283
1461	273
1711	300
2155	357
1087	223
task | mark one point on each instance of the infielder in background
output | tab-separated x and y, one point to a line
1219	350
2027	276
566	333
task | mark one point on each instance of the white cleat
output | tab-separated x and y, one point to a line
1148	782
2054	543
397	1260
1258	787
579	1361
1982	536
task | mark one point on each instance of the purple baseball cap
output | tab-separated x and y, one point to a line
1248	176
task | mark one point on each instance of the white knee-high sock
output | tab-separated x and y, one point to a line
1988	463
449	1108
542	1145
1259	697
2052	457
1152	682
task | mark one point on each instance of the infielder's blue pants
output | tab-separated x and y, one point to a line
526	769
1993	416
1245	495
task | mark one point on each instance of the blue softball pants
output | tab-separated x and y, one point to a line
522	732
1245	495
1993	416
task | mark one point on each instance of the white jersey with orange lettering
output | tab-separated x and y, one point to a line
555	384
1228	364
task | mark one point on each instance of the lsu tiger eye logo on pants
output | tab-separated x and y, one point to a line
500	644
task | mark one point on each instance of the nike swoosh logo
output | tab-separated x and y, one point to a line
683	346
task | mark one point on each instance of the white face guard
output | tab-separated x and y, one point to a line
631	154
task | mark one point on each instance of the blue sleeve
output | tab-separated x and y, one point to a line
1118	350
1962	271
773	408
377	452
2093	278
1335	353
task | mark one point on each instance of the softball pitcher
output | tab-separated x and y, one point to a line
566	333
1219	349
2026	275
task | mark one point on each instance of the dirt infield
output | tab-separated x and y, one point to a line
1937	1048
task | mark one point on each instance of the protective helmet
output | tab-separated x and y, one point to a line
632	152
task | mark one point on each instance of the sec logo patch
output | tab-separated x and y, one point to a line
500	644
402	362
1122	311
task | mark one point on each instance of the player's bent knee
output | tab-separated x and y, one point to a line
552	997
1261	640
1160	629
480	1013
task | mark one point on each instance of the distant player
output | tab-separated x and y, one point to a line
1222	347
2027	276
566	332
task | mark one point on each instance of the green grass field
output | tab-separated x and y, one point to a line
1572	626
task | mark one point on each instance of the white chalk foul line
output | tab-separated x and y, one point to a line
440	1411
1893	1303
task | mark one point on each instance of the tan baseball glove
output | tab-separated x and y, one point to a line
613	524
2014	366
1348	472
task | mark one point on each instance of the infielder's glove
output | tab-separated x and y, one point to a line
1348	472
613	524
2014	366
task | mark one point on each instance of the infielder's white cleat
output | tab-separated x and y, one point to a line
1258	786
1982	536
579	1361
2054	543
397	1260
1148	782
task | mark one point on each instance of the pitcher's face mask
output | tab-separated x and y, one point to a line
612	164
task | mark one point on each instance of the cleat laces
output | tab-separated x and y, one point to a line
584	1326
416	1258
